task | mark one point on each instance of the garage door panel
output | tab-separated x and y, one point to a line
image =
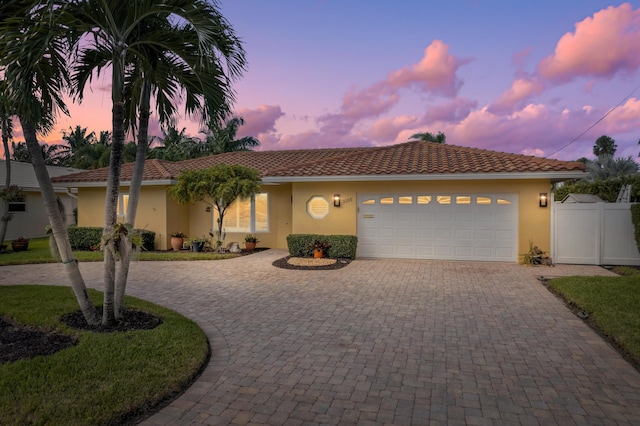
486	231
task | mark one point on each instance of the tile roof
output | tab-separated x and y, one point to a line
410	158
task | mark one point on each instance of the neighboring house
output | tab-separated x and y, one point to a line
29	217
411	200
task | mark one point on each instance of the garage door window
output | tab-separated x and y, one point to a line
405	200
369	201
503	201
463	199
443	199
388	200
483	200
423	199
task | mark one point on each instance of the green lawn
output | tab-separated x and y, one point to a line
613	304
39	253
104	379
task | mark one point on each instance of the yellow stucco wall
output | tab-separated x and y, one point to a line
534	222
151	214
287	209
201	221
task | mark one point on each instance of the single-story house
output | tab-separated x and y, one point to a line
411	200
29	217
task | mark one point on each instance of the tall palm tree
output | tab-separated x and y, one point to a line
223	139
32	58
6	124
148	54
430	137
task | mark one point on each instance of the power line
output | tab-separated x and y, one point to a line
596	123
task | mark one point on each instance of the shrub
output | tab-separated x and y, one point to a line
635	218
341	246
608	189
85	238
89	237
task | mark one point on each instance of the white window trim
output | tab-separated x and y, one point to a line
252	220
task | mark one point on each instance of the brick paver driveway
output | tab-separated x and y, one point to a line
382	342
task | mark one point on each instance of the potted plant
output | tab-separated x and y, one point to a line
320	248
197	244
250	242
20	244
177	240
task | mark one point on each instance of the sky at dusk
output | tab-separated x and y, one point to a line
514	76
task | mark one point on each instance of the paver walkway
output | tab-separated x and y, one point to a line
381	342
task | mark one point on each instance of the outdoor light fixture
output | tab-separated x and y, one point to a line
543	199
336	200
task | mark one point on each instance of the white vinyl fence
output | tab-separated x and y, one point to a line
593	234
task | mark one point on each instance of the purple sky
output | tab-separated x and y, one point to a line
522	77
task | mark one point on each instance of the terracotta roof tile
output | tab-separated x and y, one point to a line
410	158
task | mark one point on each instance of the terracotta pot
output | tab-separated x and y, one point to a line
317	253
250	246
176	243
20	245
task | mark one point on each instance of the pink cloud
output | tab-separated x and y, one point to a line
518	58
450	111
257	121
521	89
601	45
369	102
387	129
436	71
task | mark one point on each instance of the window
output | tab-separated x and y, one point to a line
424	199
19	204
405	200
463	199
123	204
370	201
483	200
388	200
503	201
317	207
246	215
443	199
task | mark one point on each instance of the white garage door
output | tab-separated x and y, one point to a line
438	226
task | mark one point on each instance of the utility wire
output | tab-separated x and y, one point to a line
596	123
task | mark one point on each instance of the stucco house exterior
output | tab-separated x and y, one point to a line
410	200
29	217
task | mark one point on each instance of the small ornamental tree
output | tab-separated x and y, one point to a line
219	185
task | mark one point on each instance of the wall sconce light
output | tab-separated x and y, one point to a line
336	200
543	199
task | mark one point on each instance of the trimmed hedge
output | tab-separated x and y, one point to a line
88	237
342	246
608	189
635	218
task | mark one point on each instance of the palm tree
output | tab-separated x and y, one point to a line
430	137
176	145
148	54
32	58
76	140
6	124
223	139
605	145
606	167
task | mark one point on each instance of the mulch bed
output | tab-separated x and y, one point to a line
21	342
284	264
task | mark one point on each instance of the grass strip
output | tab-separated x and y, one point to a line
613	305
39	253
108	378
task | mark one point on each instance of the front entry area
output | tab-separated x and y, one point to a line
438	226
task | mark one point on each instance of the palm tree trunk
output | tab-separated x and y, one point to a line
110	213
58	225
5	216
134	195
